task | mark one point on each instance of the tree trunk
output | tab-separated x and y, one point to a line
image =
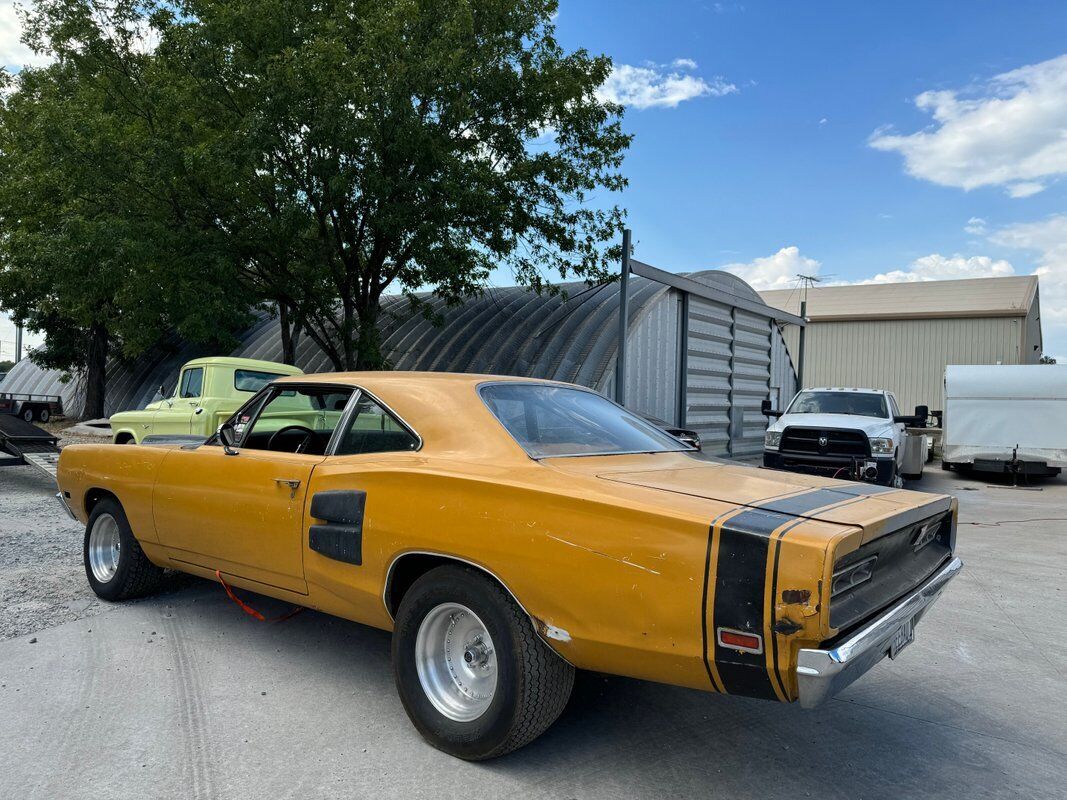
96	372
290	328
369	345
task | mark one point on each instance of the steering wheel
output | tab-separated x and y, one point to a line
309	436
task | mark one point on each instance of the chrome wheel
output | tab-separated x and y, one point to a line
105	545
456	662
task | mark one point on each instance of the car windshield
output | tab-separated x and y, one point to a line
553	421
861	404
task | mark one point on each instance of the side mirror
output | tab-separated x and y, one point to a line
228	438
917	420
767	411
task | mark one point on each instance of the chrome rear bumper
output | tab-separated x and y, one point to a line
823	673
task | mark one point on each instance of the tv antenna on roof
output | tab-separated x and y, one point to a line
806	282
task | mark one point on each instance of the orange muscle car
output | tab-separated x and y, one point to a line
508	531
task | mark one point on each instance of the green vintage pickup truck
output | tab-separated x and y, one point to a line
208	391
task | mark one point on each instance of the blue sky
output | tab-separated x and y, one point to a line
785	159
859	141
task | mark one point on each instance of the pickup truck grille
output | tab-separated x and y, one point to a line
837	442
889	567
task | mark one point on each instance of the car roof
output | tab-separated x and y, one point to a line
400	378
244	363
443	408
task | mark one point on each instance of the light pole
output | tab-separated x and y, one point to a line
624	320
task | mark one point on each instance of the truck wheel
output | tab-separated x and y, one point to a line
892	479
473	676
115	564
43	415
27	414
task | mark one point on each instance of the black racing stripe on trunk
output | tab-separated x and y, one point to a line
858	489
801	504
740	588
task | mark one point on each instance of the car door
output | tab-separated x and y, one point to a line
240	510
175	414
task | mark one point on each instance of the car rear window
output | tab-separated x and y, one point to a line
551	421
249	380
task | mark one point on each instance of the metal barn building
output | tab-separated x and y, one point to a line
703	350
901	336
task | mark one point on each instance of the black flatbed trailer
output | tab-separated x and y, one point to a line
31	407
22	442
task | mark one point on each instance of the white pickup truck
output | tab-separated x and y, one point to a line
846	433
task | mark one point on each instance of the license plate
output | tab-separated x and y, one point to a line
903	636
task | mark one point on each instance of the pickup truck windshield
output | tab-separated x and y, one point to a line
553	421
860	404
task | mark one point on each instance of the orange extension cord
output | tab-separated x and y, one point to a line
251	611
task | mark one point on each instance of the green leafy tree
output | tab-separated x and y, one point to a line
93	248
357	147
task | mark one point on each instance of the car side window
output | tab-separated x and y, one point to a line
192	383
294	419
375	430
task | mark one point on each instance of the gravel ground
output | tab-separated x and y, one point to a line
42	582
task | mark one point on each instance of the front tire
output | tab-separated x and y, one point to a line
44	415
27	414
115	564
473	676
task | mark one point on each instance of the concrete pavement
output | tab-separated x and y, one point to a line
182	695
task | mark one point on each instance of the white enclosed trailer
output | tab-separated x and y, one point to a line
1006	418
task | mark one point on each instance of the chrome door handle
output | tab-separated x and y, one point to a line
292	483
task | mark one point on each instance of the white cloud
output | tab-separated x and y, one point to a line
1010	132
936	267
975	226
778	271
1048	239
13	53
660	85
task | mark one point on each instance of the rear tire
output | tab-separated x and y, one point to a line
443	679
43	415
27	414
115	564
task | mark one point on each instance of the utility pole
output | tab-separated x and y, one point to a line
18	342
806	281
624	320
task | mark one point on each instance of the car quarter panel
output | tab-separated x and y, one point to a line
127	472
612	584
